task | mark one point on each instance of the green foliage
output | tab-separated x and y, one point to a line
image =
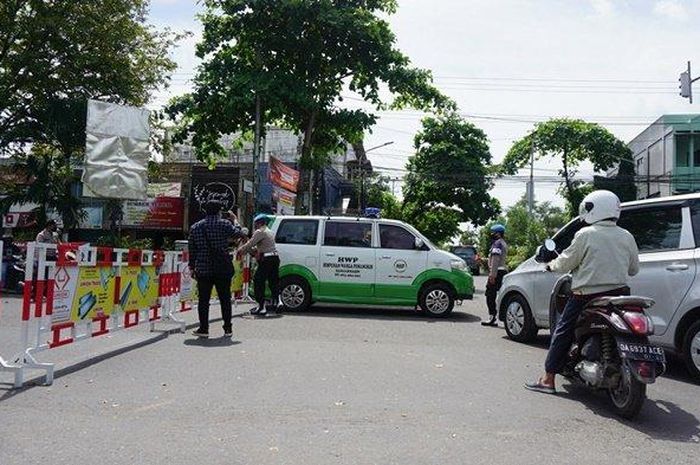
297	56
622	183
469	237
49	187
439	224
524	233
125	242
573	142
447	178
55	55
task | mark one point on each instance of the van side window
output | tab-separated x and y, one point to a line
395	237
300	232
346	234
654	229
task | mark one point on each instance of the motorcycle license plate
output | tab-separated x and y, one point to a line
641	351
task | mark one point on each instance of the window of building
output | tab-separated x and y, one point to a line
654	229
395	237
696	150
682	151
300	232
341	234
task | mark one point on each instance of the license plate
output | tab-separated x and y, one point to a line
641	351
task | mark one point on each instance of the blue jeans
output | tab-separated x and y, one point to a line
563	335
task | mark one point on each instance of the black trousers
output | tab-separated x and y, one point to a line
492	292
268	272
223	289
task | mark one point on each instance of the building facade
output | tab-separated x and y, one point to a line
667	157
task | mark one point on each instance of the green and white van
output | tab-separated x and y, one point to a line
366	262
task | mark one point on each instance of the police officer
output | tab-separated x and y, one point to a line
263	243
497	270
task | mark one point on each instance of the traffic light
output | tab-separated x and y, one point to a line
685	81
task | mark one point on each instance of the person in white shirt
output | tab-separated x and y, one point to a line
601	258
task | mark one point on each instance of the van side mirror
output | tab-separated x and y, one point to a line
419	243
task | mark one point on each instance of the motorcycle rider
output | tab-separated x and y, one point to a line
600	258
497	270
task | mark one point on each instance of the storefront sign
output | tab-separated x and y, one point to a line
283	176
284	200
220	184
164	189
157	213
92	218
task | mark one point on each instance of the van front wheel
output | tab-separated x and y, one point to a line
437	300
295	293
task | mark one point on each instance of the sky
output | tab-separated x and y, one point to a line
511	63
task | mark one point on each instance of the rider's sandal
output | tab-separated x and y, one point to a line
539	387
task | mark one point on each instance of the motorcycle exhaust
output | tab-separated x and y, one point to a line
591	372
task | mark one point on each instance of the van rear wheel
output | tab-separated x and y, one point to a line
295	294
437	300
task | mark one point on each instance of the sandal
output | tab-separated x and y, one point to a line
540	387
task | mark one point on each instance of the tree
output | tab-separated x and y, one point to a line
448	177
297	57
56	55
49	186
622	184
573	141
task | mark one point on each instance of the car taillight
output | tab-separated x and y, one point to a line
639	323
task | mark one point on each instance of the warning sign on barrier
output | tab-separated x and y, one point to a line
188	289
83	293
139	288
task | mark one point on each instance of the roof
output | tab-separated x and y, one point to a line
671	198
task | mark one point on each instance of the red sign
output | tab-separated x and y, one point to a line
157	213
283	176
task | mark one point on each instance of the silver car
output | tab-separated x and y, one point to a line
667	231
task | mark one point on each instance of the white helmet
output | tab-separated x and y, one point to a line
598	206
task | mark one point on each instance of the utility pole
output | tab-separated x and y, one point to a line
256	153
362	174
531	183
686	84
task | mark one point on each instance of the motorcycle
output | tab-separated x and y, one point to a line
611	349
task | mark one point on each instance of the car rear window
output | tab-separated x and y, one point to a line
654	229
300	232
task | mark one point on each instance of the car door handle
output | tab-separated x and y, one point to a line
385	257
330	254
677	267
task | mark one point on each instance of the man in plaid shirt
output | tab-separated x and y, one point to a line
211	264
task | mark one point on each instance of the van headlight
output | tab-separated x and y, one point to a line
458	264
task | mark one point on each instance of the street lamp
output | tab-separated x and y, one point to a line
362	174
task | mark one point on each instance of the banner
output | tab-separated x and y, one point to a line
139	288
283	200
116	151
83	293
164	189
220	184
155	213
283	176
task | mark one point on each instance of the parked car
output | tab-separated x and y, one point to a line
667	231
469	254
364	261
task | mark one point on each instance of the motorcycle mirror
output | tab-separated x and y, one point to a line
550	245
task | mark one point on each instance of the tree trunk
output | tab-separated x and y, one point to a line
567	180
307	162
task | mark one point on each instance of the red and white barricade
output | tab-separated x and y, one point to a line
75	292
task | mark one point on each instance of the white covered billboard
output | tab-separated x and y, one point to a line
116	151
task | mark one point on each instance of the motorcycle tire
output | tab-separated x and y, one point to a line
628	398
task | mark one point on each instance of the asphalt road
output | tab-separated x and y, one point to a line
328	387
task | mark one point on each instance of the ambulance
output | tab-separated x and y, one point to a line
366	262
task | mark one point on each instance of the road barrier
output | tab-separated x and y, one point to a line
75	292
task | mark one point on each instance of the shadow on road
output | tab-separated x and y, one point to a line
212	342
384	314
659	419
